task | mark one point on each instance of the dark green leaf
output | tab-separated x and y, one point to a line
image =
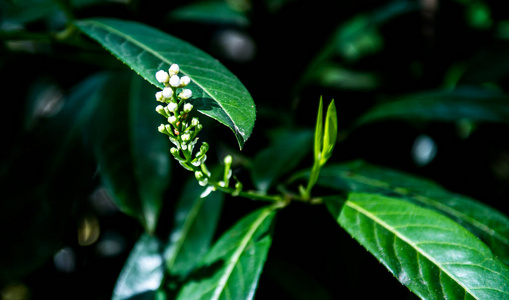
196	219
353	40
474	104
217	93
433	256
220	12
28	10
333	75
488	224
150	157
133	156
43	181
285	153
143	271
231	269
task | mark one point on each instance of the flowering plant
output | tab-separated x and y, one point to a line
208	206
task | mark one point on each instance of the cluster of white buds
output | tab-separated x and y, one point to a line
181	130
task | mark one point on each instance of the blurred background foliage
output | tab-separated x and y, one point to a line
420	86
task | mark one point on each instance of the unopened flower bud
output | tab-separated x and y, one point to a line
198	175
195	122
228	160
174	81
172	107
188	107
184	81
167	92
174	69
186	94
162	76
186	137
159	96
172	119
161	128
174	151
160	110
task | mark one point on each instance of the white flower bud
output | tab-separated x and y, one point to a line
195	121
188	107
203	182
174	69
186	137
159	96
161	128
167	92
228	160
184	81
172	107
185	94
174	81
162	76
160	110
172	119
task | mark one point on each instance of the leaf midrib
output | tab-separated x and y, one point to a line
423	199
185	229
406	240
236	255
159	56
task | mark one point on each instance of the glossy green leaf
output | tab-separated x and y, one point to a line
230	270
491	226
432	255
133	158
221	12
143	271
217	93
287	150
475	104
195	224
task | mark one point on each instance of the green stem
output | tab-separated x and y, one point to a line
313	177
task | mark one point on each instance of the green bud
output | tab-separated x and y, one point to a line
199	175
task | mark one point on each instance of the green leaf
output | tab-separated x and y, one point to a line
475	104
432	255
491	226
27	11
37	204
150	157
319	131
220	12
133	158
217	93
330	134
284	154
143	271
353	40
196	220
231	269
